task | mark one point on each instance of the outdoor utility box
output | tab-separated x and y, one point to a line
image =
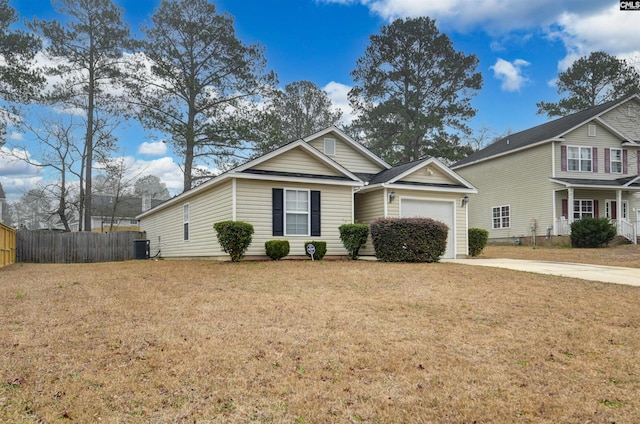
141	249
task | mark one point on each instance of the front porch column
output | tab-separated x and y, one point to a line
619	209
570	206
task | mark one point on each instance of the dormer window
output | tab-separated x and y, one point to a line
330	146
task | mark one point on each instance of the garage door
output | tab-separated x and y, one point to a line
439	210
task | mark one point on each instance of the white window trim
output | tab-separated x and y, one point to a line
330	142
185	221
579	159
501	227
611	161
285	212
578	211
621	211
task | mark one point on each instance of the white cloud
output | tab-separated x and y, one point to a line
510	73
15	136
156	148
16	176
339	95
583	26
613	31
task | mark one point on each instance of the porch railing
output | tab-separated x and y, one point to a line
624	228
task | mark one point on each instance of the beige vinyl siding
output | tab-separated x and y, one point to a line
368	207
603	139
519	180
625	119
297	161
254	205
205	209
393	210
348	156
423	176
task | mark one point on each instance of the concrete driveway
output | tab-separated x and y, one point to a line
607	274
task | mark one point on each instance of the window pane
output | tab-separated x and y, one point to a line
297	224
297	201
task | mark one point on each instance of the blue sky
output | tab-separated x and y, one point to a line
521	47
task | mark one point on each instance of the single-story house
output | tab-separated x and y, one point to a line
304	191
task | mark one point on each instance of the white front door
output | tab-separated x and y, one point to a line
443	211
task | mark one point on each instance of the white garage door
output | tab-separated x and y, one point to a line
439	210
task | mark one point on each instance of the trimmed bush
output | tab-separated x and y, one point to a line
354	237
478	239
592	232
234	237
409	239
321	249
276	249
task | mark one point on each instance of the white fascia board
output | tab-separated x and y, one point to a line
348	139
529	146
187	194
613	130
439	165
597	117
469	190
593	186
300	143
636	179
249	176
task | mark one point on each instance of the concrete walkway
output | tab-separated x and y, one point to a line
606	274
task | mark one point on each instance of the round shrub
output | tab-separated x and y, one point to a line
478	239
276	249
409	239
234	237
321	249
354	237
592	232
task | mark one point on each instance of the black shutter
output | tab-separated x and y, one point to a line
277	201
315	213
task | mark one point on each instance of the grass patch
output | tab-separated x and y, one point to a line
291	341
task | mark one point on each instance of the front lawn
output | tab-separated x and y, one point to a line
321	342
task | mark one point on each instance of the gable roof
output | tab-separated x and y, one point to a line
392	176
345	137
245	171
549	131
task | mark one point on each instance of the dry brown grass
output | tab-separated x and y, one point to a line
323	342
627	255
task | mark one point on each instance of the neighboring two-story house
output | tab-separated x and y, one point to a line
538	181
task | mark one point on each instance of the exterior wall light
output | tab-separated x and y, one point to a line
465	201
392	196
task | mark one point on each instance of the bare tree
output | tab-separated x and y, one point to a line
88	47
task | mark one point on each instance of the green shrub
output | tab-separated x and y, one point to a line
592	232
409	239
276	249
478	239
234	237
321	249
354	237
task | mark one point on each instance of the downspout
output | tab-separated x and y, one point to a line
384	201
233	199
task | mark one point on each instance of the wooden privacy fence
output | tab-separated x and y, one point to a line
38	246
7	245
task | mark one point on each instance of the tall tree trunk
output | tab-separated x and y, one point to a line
89	142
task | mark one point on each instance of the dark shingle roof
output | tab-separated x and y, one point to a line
537	134
619	183
389	174
296	174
